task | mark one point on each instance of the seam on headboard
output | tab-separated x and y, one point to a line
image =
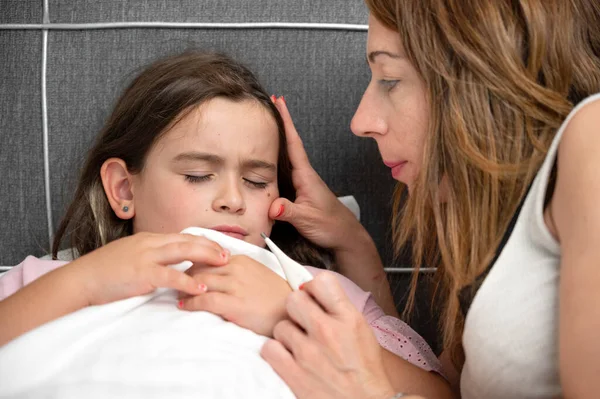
185	25
45	144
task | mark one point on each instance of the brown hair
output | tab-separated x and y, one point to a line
153	103
504	75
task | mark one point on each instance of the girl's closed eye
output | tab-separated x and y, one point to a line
197	179
256	184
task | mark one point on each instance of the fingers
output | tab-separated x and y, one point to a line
214	302
303	310
165	277
283	209
192	248
201	241
295	147
291	337
283	363
328	292
306	354
217	282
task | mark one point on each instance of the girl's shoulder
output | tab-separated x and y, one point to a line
24	273
357	295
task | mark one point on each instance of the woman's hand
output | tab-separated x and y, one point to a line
327	350
320	217
137	265
317	213
244	292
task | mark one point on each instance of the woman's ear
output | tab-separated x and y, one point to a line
117	182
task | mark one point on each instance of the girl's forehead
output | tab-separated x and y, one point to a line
224	125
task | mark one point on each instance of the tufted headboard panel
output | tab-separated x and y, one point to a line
64	62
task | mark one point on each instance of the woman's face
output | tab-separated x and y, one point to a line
394	109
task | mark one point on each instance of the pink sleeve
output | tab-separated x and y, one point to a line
27	271
393	334
399	338
357	296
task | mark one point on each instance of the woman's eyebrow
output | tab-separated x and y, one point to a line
371	58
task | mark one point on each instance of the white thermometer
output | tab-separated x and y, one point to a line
295	273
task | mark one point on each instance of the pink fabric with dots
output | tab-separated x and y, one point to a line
393	334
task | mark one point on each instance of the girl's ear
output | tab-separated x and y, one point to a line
117	182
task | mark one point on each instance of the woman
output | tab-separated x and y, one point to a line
468	104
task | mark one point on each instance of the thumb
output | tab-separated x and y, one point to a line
284	210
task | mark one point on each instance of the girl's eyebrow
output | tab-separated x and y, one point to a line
217	160
198	156
258	164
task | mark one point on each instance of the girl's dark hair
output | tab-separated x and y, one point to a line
154	102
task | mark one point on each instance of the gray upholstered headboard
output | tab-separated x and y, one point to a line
63	66
63	63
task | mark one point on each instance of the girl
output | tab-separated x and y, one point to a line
193	141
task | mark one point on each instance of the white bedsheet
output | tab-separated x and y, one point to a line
143	347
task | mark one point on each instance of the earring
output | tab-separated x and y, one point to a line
125	208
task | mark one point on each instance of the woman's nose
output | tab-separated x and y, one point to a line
368	119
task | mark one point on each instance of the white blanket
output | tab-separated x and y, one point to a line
143	347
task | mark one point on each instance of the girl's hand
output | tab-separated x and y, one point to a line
137	265
327	350
316	213
244	292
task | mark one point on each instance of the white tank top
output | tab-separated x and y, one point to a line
511	329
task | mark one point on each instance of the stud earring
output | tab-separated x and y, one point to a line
125	208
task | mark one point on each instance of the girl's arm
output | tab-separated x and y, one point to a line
406	377
575	221
53	295
127	267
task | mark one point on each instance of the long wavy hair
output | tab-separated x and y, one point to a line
501	76
154	102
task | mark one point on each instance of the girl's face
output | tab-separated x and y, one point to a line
394	109
216	168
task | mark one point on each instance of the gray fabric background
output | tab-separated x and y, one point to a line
321	72
324	11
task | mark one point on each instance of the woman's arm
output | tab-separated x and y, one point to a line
323	219
575	220
361	263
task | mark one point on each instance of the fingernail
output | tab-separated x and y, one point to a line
273	98
281	208
203	287
283	98
301	286
225	254
180	304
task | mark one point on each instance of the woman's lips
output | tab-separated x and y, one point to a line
396	167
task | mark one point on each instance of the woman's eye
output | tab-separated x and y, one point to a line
197	179
256	184
388	84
